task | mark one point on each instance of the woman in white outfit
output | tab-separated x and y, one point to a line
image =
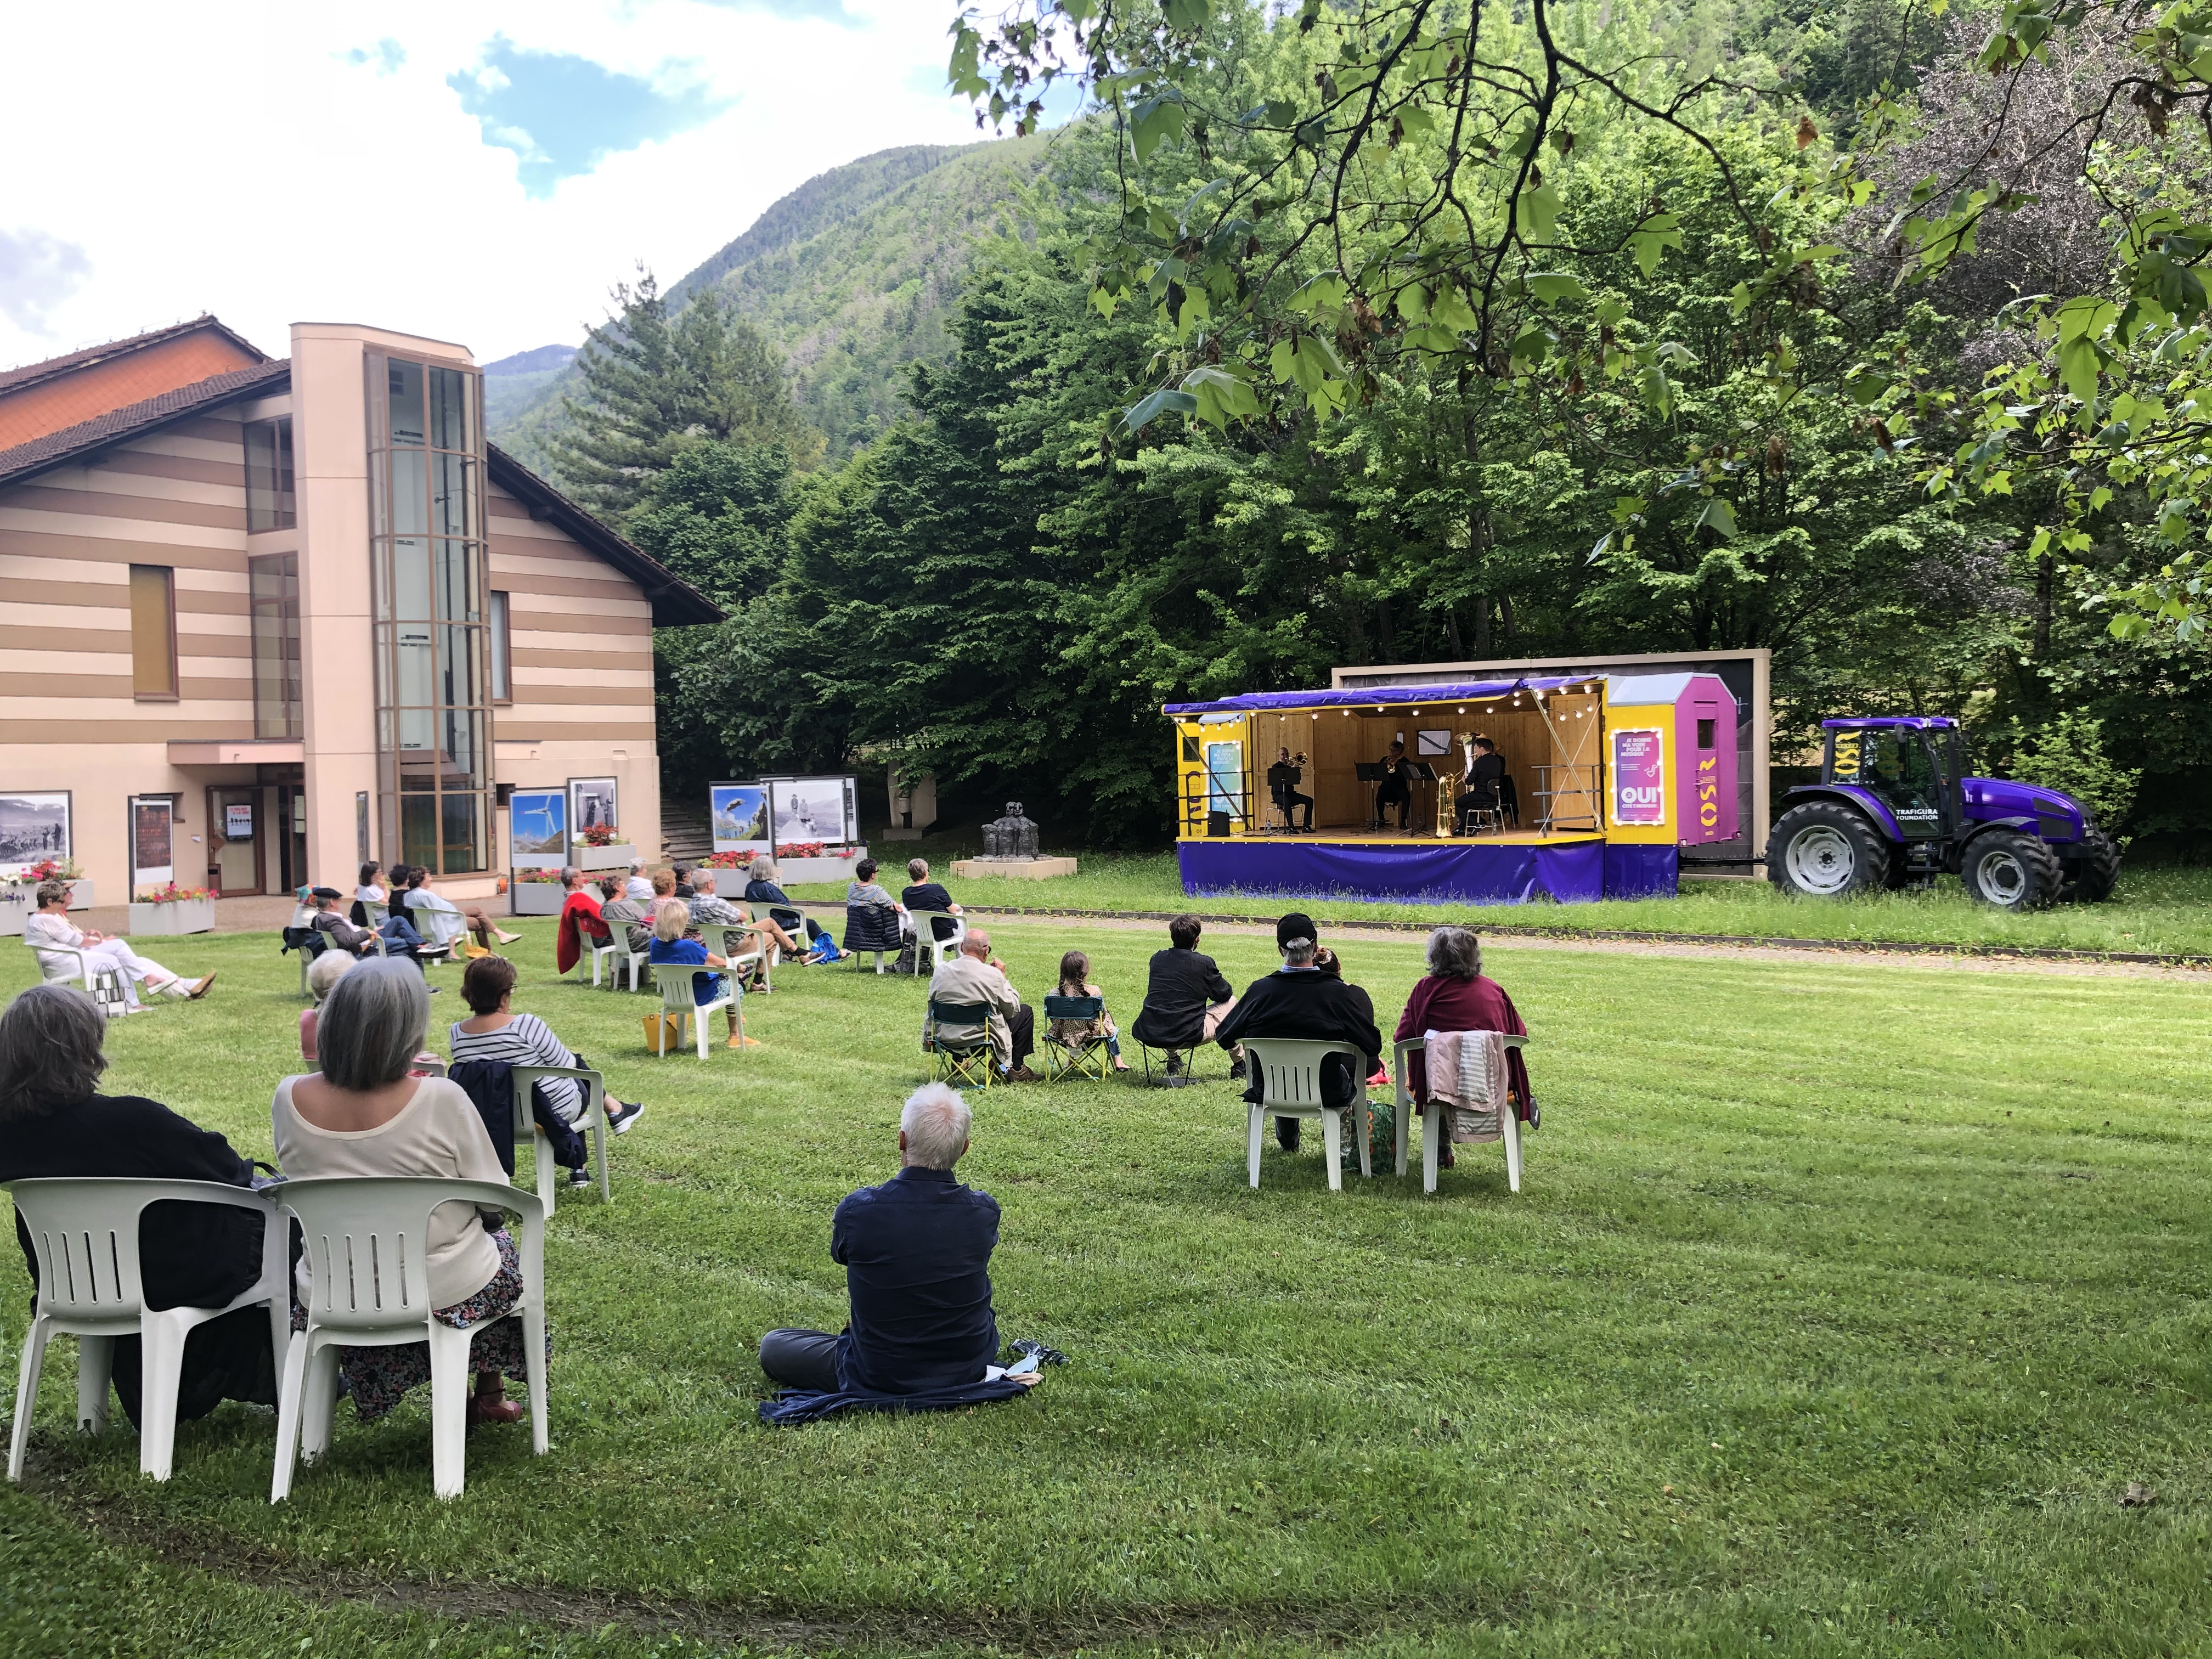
51	928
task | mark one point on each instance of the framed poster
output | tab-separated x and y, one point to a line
592	807
1432	743
238	820
538	829
1225	777
153	856
1639	775
739	812
822	809
34	826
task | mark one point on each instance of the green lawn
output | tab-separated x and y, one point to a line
1841	1303
2161	910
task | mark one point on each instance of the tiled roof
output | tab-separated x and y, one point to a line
15	379
58	448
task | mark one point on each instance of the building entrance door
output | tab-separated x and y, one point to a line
292	836
235	833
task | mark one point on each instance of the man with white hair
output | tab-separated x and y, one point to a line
917	1253
976	978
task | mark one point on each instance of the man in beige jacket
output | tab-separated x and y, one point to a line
978	976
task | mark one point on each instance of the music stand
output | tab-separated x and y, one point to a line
1371	772
1419	771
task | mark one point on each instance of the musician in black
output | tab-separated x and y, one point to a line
1395	788
1486	770
1282	784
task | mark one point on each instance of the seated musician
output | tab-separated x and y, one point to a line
1394	789
1282	782
1484	774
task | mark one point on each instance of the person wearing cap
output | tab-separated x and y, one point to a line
1299	1001
327	919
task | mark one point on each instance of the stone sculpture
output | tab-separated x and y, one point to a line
1012	836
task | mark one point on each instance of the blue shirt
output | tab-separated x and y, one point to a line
917	1253
705	987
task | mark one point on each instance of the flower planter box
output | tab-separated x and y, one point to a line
535	898
182	917
19	902
616	857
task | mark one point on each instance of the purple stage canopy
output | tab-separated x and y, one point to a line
1374	696
1464	872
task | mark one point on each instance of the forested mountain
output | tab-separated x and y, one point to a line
1700	393
850	278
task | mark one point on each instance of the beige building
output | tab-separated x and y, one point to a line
309	604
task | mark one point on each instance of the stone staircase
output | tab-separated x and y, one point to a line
685	836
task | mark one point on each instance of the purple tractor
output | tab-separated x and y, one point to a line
1894	807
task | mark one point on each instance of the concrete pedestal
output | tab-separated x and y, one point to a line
1041	869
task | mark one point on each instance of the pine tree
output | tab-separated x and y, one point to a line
654	385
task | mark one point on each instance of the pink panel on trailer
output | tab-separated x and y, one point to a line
1704	741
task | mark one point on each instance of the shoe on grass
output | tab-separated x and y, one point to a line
1022	1074
620	1122
200	989
743	1043
579	1177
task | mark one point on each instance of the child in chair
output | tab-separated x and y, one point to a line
1073	1034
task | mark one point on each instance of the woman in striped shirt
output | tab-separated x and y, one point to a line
496	1031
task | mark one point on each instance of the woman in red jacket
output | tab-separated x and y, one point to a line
1454	996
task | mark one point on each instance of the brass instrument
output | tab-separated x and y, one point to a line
1299	759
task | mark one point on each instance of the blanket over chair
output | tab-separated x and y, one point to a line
1466	1074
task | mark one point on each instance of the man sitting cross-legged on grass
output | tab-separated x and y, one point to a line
1299	1001
917	1253
978	976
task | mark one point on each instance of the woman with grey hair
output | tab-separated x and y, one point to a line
364	1115
761	889
55	1122
1455	996
50	926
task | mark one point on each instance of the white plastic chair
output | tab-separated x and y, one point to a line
767	953
676	994
85	1231
938	951
84	973
1290	1086
368	1286
1433	1118
442	926
593	1123
612	955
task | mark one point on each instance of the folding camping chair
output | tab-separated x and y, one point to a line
965	1061
1433	1118
1064	1060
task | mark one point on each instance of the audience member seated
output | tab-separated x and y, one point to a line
710	909
1076	1035
50	926
364	1115
874	920
1300	1001
618	909
923	893
53	1122
761	890
1186	998
421	898
495	1031
303	908
367	892
400	939
326	920
324	972
917	1253
671	918
1456	996
580	925
863	888
638	887
978	976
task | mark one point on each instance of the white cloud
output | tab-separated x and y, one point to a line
275	163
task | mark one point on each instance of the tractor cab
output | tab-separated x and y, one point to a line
1912	768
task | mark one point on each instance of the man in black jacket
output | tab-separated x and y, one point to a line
1299	1001
1186	998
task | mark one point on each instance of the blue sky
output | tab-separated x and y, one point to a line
474	170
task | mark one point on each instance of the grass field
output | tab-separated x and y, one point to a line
2166	911
1841	1305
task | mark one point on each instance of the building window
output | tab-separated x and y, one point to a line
269	499
503	683
273	584
433	670
153	632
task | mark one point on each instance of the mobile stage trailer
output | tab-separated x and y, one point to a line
1612	775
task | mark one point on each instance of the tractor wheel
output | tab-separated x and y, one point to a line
2091	877
1825	849
2010	869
